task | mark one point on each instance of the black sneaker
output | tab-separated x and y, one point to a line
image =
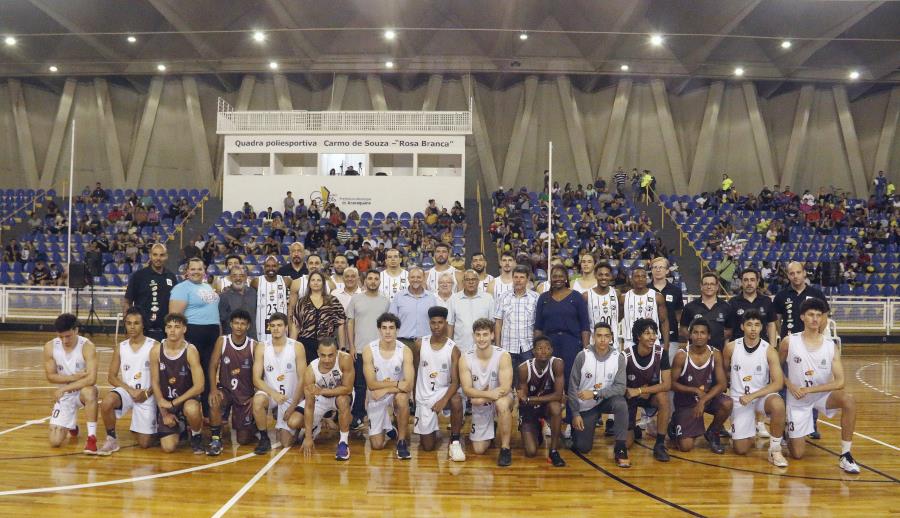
555	459
815	435
715	444
638	433
724	434
264	445
403	451
621	456
671	431
660	453
197	444
609	428
392	434
357	424
505	458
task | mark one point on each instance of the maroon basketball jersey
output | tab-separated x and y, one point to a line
174	374
236	369
638	375
695	376
540	383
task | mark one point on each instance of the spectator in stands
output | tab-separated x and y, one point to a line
289	205
98	195
317	315
458	216
237	295
880	184
41	275
647	183
12	251
727	183
619	178
35	223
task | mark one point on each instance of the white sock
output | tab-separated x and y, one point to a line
345	437
774	443
193	433
92	428
845	446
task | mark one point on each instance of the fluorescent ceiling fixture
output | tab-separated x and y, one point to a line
624	68
161	67
523	36
389	34
131	39
656	40
739	71
259	36
273	65
9	40
786	44
854	75
53	68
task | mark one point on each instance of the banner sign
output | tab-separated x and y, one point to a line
391	144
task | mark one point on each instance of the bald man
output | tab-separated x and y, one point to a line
149	289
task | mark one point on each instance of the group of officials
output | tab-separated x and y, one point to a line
307	349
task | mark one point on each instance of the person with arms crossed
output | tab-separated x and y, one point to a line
149	289
648	381
129	374
177	385
70	361
542	395
328	388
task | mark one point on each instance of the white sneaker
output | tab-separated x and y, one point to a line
110	446
546	430
567	432
848	464
456	452
777	459
761	430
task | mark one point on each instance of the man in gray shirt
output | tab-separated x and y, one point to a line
362	313
239	295
597	386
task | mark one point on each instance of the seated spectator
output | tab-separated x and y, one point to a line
98	195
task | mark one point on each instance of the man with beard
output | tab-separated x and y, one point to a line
297	267
238	295
441	266
394	278
339	265
362	315
149	289
220	283
271	296
479	264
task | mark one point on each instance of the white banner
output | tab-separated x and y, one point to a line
344	144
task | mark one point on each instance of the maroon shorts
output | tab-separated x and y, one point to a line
241	413
162	430
686	425
532	414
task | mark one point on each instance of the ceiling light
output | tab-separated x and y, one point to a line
624	68
131	39
273	65
53	68
389	64
738	71
161	67
523	36
389	34
786	44
9	40
854	75
656	40
259	36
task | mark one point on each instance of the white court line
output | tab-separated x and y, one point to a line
7	371
259	474
27	423
166	474
869	385
32	348
891	446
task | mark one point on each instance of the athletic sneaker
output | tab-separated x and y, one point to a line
264	445
724	434
610	423
73	432
777	459
505	457
715	445
215	447
403	451
110	446
391	434
848	464
90	447
456	453
555	459
815	435
761	430
622	458
638	433
197	444
660	452
357	424
343	451
671	431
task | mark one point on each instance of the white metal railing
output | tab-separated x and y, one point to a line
231	122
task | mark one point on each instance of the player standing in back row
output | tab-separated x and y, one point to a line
271	296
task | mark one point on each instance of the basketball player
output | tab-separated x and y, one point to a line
70	361
479	264
756	378
224	281
276	375
271	296
437	386
328	387
699	388
541	394
815	380
390	375
588	279
603	301
503	282
231	379
129	374
648	375
486	375
441	266
339	264
643	302
393	278
177	384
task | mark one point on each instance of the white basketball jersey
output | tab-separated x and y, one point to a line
434	370
485	376
749	371
807	368
501	287
281	368
431	281
271	297
483	284
638	306
338	281
332	379
388	367
390	285
596	375
134	367
72	362
604	308
577	286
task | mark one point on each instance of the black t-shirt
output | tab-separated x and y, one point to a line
761	303
674	302
720	318
289	271
787	304
150	292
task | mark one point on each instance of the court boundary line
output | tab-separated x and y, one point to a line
58	455
864	436
87	485
28	423
250	483
869	385
635	487
836	454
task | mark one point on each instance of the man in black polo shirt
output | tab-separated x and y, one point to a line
787	301
149	289
659	270
750	298
297	267
716	311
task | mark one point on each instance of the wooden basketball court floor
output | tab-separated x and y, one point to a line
38	480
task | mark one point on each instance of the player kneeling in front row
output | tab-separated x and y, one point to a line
486	375
328	388
177	384
70	361
437	386
231	381
596	387
541	396
389	371
699	388
648	381
277	366
815	381
129	374
756	378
